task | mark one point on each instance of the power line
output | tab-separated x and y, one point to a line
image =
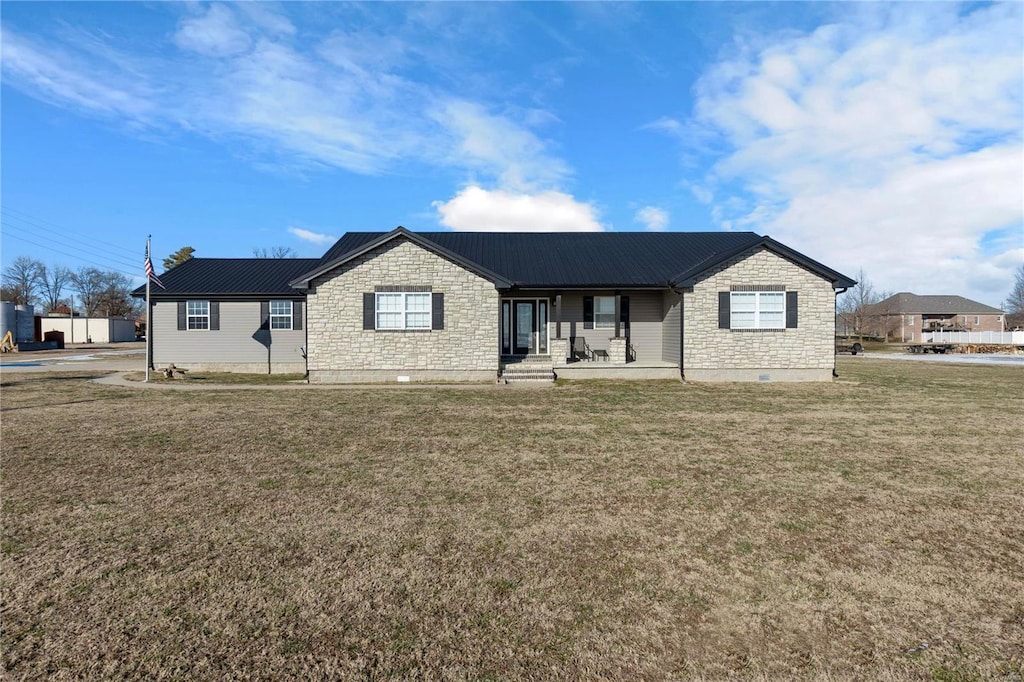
77	256
78	243
54	227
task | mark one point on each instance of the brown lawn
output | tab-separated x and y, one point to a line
868	529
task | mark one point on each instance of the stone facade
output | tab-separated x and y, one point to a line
617	350
340	350
804	353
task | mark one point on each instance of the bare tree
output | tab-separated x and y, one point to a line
1014	303
178	257
275	252
105	293
852	306
116	296
21	280
52	282
88	282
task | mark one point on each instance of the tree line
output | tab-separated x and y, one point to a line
97	293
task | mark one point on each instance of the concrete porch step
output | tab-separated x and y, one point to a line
532	371
537	377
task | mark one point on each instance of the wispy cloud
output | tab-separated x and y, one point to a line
312	237
900	124
652	218
359	100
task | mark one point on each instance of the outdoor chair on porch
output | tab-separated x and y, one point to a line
580	349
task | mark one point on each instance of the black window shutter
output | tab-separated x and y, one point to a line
624	313
437	306
588	312
182	316
723	309
214	315
264	315
369	311
296	314
790	310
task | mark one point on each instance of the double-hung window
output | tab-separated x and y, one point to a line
757	310
198	315
604	312
280	314
403	310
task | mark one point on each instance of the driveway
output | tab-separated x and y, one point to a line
961	358
115	357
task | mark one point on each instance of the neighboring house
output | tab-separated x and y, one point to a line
401	305
905	316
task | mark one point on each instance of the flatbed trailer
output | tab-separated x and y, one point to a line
921	348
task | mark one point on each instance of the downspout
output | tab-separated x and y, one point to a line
682	330
305	327
838	293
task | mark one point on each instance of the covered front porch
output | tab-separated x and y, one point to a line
577	329
534	325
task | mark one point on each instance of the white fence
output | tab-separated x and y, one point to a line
1004	338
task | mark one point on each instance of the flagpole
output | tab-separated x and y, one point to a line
149	311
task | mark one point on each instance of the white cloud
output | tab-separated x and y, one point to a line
498	146
50	75
886	141
652	218
358	99
215	34
475	209
313	237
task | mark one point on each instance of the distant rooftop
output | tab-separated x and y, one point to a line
934	304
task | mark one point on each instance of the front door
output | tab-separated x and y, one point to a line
524	327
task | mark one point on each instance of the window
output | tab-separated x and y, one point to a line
910	319
977	320
403	310
757	310
280	314
198	315
604	312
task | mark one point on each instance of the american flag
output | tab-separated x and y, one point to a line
149	270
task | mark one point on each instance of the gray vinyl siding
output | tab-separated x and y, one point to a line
645	326
233	343
671	327
645	322
572	323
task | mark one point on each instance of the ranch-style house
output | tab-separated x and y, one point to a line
444	306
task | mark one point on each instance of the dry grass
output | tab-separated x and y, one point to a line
870	529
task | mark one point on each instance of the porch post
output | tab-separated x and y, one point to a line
618	314
558	316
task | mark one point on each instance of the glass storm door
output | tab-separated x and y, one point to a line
524	327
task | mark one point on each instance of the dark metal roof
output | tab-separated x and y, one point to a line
230	277
538	260
568	259
939	304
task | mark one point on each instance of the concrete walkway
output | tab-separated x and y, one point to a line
199	385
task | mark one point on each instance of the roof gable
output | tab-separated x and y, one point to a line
690	276
332	259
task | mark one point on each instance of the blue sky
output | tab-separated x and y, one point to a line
879	136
